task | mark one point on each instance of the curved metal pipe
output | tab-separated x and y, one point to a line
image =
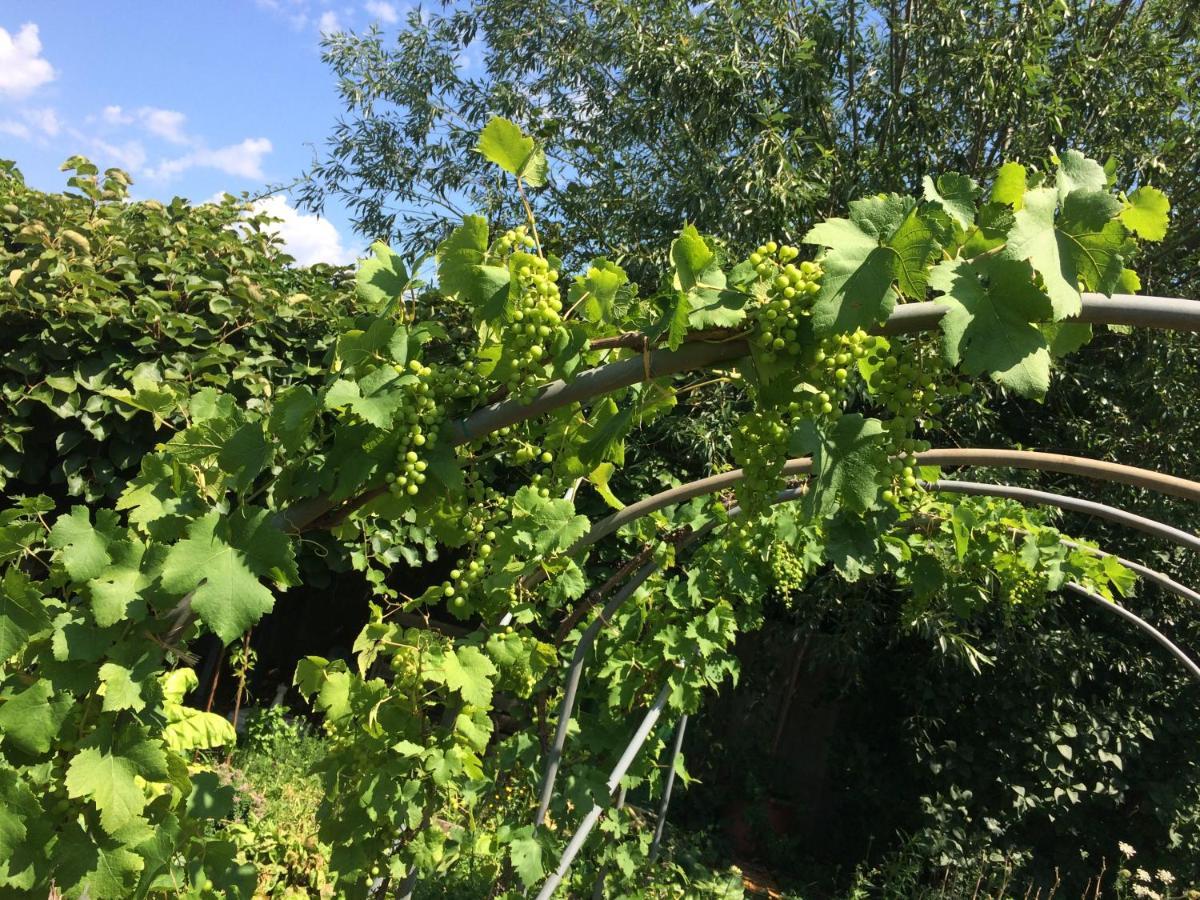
970	456
1170	313
1141	623
576	668
728	479
589	821
1071	504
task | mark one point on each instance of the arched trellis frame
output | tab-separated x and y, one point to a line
1052	462
703	352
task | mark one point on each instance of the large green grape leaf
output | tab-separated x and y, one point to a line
956	194
1146	213
458	254
31	719
1085	245
84	547
1009	186
594	292
847	459
503	142
546	525
115	592
698	275
469	672
21	612
884	245
381	279
988	326
292	416
95	866
109	781
525	854
1078	173
222	560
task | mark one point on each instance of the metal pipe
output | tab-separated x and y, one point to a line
1168	313
1071	504
970	456
1141	623
666	797
1064	463
727	479
589	821
574	673
588	638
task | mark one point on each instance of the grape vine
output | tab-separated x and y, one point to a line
437	737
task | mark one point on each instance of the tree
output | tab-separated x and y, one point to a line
734	114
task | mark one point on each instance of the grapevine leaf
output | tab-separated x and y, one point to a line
381	280
469	672
96	867
557	526
488	292
677	327
503	142
222	560
1085	245
209	799
847	459
595	291
156	498
109	781
21	612
956	194
119	689
244	455
292	416
697	273
988	326
114	593
883	243
460	253
1146	213
606	432
1078	173
190	729
31	719
525	854
1066	337
1009	187
17	805
84	547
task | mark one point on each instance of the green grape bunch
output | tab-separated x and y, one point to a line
789	297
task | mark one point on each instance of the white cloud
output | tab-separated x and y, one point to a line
309	238
243	160
130	155
383	11
164	123
33	123
15	128
44	120
114	115
22	68
328	23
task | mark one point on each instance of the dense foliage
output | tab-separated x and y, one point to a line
435	737
113	315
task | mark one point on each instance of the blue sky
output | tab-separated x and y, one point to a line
192	98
